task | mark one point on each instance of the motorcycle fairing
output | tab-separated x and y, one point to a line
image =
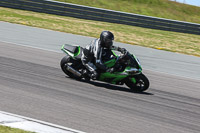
110	63
114	77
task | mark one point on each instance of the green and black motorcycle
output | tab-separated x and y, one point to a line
127	68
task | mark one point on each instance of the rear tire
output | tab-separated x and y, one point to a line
142	83
68	61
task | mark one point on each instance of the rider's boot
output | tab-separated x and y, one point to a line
85	75
94	75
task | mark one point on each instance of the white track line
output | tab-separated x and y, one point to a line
29	124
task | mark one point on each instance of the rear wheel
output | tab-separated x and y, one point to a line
139	83
68	61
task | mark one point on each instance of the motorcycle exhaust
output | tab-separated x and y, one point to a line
72	70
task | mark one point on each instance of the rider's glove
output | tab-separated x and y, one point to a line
123	50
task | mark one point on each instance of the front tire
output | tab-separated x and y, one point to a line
141	83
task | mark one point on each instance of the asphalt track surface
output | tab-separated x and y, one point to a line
33	85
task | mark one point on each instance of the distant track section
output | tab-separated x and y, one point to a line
98	14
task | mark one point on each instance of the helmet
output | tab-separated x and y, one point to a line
106	39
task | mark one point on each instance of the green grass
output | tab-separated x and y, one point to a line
158	8
163	40
5	129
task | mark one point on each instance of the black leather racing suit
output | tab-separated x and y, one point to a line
92	55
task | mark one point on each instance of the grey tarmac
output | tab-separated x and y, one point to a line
33	85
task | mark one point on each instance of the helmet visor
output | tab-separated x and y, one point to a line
108	43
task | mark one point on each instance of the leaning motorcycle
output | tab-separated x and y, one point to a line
127	68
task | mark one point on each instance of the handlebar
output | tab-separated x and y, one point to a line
123	57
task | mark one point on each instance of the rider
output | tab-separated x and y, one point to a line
92	53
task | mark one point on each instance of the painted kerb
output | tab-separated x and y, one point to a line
98	14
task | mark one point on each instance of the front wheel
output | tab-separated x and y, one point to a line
138	83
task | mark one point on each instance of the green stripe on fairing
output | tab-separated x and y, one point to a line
62	48
79	50
71	54
110	63
117	77
114	53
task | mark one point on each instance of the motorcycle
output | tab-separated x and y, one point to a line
127	68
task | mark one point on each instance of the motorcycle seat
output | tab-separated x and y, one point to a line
70	48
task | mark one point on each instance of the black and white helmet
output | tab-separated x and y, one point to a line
106	39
